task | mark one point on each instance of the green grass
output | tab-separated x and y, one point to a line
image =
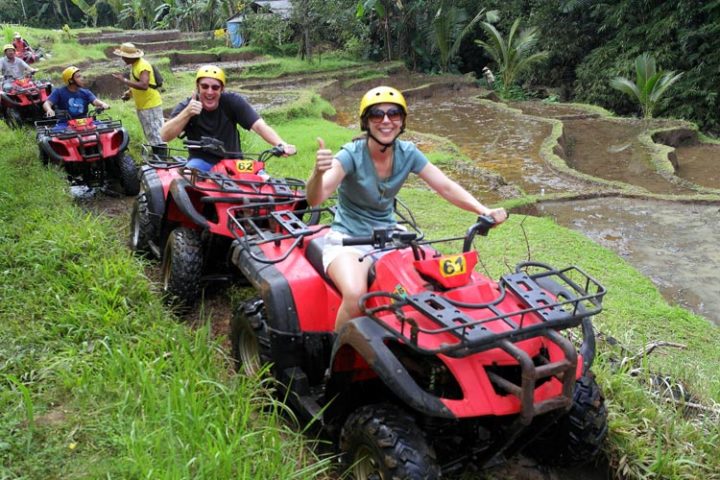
98	380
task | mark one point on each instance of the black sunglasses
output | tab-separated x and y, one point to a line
205	86
376	115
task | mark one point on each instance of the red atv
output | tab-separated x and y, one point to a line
23	103
180	215
92	150
446	368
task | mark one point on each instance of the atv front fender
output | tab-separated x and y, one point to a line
153	188
44	144
363	336
124	142
6	98
179	194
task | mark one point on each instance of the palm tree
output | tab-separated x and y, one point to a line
450	26
649	85
514	55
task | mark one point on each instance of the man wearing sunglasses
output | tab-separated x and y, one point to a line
213	112
367	174
142	87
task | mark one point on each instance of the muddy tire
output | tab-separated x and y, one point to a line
13	118
383	442
129	178
249	339
577	437
182	265
142	230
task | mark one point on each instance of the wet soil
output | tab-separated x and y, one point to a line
610	149
699	163
672	243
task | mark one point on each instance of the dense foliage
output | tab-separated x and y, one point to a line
588	42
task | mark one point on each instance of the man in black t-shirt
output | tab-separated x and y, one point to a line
212	112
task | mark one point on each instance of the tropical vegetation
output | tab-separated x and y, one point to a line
99	380
649	85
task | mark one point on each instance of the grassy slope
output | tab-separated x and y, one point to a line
97	378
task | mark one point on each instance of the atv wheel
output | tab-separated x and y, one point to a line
577	437
13	118
382	442
141	228
44	158
182	264
248	337
129	178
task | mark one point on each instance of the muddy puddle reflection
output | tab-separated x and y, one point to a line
672	243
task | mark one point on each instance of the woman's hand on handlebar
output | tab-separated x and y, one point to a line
499	215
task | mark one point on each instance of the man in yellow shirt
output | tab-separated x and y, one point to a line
144	90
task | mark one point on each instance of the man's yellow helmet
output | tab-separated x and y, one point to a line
210	71
68	73
380	95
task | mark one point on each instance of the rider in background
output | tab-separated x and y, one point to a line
367	174
73	98
13	68
23	49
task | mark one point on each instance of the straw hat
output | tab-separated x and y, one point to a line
128	50
17	35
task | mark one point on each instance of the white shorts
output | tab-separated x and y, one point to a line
334	247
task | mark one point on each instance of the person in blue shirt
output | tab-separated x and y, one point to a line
73	98
367	174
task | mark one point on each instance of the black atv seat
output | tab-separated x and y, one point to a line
314	254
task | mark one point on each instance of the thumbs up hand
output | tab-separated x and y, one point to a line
323	157
194	106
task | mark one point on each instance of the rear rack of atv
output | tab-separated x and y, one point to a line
162	156
566	297
214	182
251	228
47	128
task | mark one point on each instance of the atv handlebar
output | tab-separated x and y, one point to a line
382	236
481	227
217	147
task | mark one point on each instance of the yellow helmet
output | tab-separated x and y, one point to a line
210	71
68	73
380	95
8	46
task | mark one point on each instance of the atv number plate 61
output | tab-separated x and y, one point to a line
453	265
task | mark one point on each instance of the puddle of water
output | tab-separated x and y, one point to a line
671	243
699	163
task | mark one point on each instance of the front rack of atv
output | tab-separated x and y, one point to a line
548	300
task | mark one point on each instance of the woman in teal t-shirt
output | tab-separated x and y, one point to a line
367	174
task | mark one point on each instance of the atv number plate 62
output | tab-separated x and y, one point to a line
245	166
